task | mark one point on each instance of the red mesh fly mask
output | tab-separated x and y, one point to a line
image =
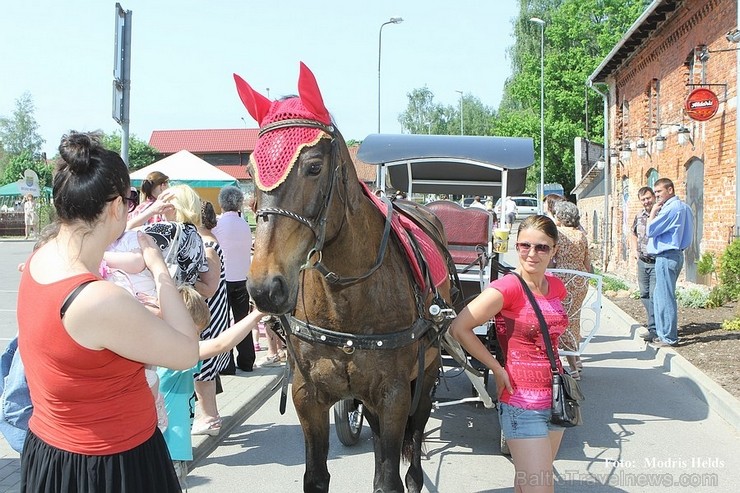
286	127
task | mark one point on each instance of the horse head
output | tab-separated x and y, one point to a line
300	176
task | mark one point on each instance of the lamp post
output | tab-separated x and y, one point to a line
541	195
392	20
462	132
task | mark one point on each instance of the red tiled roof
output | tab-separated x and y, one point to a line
204	141
238	171
365	172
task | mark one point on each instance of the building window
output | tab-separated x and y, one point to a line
652	176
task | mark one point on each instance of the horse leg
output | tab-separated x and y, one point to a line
388	428
415	432
314	418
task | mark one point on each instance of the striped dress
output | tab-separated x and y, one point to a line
219	307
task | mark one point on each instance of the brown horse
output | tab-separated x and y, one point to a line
324	257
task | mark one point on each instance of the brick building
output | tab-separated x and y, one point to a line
675	47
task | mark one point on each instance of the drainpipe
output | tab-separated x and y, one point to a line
737	136
607	188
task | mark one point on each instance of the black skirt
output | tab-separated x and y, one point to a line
144	469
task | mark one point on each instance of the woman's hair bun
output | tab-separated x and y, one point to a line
75	149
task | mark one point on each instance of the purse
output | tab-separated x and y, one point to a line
566	393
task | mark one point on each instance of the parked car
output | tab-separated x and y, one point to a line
525	207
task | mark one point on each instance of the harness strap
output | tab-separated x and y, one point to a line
350	342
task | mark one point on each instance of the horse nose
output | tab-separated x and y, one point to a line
271	295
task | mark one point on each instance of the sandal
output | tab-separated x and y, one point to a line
211	427
575	374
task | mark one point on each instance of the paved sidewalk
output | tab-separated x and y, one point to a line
243	394
616	349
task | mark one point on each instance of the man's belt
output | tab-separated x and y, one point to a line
648	259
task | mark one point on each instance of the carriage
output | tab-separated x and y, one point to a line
443	166
366	287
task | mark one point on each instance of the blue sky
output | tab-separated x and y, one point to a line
184	52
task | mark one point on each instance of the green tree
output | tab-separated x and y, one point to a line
19	133
578	35
424	116
19	163
422	113
140	154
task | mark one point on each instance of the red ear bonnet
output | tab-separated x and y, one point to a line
277	150
257	105
308	90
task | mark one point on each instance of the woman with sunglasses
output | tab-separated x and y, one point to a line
524	383
85	345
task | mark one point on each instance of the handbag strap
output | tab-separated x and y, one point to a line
543	324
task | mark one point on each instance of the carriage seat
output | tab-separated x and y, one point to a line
466	229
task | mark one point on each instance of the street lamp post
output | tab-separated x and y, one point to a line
392	20
462	132
541	194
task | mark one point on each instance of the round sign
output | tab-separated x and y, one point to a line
702	104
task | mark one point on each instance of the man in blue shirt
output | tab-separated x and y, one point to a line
670	229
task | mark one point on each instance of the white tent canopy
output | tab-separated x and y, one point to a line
186	168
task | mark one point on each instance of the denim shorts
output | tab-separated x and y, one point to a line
517	422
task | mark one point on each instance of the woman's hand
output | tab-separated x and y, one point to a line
502	382
151	253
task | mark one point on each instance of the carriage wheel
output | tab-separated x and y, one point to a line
348	420
504	446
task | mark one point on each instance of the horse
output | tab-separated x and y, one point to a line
325	258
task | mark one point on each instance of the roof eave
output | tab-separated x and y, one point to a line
602	71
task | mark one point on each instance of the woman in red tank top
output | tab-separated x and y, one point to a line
94	425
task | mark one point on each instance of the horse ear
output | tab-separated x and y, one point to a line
257	105
308	90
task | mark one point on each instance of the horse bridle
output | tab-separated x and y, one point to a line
318	225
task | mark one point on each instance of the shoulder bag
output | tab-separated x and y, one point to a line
566	393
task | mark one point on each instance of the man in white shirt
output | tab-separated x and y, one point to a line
235	237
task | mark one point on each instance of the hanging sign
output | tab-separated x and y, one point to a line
702	104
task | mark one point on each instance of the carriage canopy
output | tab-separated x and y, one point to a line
451	164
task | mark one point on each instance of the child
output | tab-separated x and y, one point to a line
178	387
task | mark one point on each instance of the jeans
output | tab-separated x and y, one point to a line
646	281
238	296
667	267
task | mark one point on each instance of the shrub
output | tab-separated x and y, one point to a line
692	297
718	296
705	265
731	325
609	283
729	269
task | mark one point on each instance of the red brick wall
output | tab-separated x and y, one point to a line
663	57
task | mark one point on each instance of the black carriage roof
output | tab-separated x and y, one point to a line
451	164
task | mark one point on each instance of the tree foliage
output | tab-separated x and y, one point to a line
578	34
19	163
19	133
140	154
424	116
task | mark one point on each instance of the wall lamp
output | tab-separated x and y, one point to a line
684	136
600	163
642	148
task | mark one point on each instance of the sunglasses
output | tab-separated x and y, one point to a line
132	203
540	248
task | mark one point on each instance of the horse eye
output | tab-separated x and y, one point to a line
314	168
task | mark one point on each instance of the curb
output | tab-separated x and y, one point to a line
247	392
726	405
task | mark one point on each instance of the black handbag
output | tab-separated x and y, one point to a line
566	393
